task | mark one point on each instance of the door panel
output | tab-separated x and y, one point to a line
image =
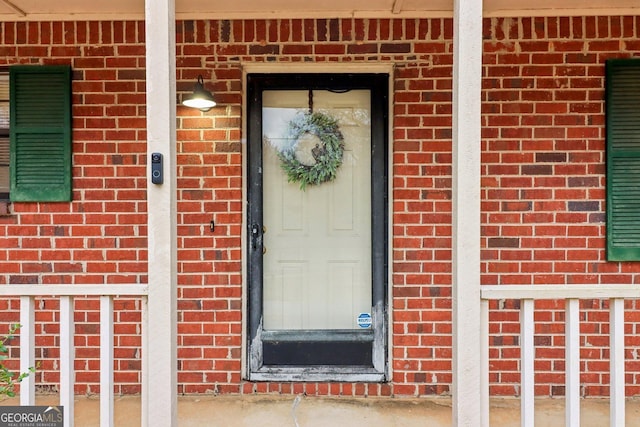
317	258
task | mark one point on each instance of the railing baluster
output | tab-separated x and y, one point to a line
67	357
106	361
617	359
145	363
484	372
527	356
27	350
572	362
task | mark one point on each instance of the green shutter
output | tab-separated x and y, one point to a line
623	159
40	132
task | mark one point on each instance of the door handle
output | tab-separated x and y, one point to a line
256	236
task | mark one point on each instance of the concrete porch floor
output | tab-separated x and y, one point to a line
285	411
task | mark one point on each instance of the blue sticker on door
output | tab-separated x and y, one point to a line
364	320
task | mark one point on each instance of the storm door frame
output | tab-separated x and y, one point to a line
295	370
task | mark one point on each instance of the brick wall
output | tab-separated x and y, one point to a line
543	199
542	190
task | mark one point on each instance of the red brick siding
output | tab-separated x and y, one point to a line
542	190
99	238
543	198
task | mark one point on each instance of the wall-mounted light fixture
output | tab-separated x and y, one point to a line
201	98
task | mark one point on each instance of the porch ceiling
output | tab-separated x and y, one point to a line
12	10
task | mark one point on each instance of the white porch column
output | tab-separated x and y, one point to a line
160	354
468	386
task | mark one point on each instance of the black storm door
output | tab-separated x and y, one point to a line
317	226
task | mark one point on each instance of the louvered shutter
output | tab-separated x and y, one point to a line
623	159
4	135
40	133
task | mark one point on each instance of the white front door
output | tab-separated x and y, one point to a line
317	241
317	226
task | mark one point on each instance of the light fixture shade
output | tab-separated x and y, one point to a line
201	98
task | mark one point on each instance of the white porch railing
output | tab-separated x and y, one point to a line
66	295
572	294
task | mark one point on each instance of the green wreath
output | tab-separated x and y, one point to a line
317	137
